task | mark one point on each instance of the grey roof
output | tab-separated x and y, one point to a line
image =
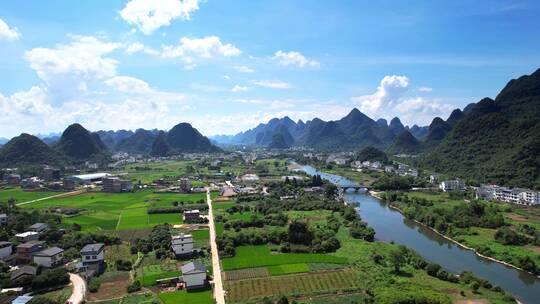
38	225
28	270
92	248
193	267
30	244
2	243
49	252
2	215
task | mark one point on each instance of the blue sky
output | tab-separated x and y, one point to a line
226	66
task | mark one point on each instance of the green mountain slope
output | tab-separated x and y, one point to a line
77	143
28	150
184	138
497	140
405	143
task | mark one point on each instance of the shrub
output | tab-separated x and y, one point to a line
136	286
94	284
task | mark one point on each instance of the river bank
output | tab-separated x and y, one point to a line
376	195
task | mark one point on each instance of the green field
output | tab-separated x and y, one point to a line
287	269
258	256
120	211
155	272
192	297
23	196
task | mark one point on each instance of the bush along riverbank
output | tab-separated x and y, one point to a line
473	224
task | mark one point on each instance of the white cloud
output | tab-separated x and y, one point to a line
238	89
207	47
84	58
243	69
295	59
150	15
128	84
425	89
7	33
389	100
138	47
272	84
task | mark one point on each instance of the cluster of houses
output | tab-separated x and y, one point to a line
518	196
31	253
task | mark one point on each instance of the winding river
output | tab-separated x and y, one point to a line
391	226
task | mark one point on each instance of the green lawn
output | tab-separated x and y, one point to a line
110	211
258	256
192	297
201	237
287	269
23	196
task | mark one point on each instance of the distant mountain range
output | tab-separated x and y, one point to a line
77	144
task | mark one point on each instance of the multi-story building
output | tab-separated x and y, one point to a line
93	255
27	236
185	185
191	215
182	245
116	185
194	275
452	185
6	249
25	252
50	257
515	196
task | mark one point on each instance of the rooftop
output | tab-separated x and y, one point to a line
193	267
50	251
88	177
93	248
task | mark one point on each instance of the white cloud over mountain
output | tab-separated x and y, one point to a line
150	15
390	100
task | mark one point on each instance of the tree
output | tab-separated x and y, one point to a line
396	259
282	300
299	233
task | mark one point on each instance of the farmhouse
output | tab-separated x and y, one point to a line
194	275
88	178
185	185
92	256
182	245
39	227
26	251
5	249
192	215
518	196
27	236
50	257
22	273
3	219
116	185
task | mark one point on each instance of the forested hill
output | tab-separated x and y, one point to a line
497	140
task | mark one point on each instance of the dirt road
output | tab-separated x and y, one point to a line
219	293
78	289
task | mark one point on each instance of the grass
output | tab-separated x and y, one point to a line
258	256
152	273
201	237
192	297
57	296
147	298
23	196
120	211
277	270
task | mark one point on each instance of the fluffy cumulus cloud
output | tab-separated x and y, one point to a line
389	100
272	84
150	15
85	57
8	33
293	58
208	47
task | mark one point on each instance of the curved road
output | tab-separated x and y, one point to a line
79	289
219	294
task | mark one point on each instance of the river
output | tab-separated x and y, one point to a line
391	226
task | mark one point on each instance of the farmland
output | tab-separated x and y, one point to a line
120	211
23	196
192	297
300	284
258	256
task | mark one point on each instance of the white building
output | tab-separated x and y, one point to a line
452	185
27	236
182	245
194	275
518	196
93	255
50	257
